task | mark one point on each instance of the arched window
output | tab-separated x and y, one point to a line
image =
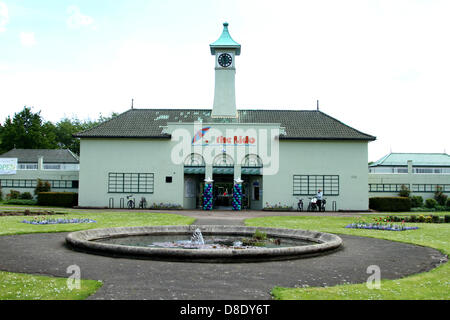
252	161
223	160
194	160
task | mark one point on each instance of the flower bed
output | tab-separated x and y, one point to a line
277	207
388	227
29	213
45	221
165	206
380	224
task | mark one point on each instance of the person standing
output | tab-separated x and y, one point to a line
319	197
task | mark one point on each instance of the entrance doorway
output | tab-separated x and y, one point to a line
223	192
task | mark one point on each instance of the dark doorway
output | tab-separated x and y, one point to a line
223	192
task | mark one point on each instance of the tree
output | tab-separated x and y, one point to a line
42	186
27	131
66	128
404	191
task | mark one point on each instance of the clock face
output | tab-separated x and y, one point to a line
225	60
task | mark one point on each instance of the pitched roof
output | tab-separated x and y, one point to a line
418	159
225	42
50	155
299	125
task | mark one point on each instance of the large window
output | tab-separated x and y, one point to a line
310	184
131	183
23	184
430	187
386	187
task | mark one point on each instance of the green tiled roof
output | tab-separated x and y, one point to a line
418	159
50	155
300	125
225	42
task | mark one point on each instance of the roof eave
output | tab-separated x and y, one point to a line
328	138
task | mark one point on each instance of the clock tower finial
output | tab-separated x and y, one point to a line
225	50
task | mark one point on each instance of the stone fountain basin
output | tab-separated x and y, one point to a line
90	241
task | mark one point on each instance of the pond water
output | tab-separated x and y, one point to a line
215	241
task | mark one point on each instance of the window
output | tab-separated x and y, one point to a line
223	160
28	166
430	187
52	167
252	161
310	184
194	160
22	183
130	183
386	187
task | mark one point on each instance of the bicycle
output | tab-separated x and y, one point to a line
130	203
322	207
312	206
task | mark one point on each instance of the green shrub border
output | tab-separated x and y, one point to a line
394	204
58	199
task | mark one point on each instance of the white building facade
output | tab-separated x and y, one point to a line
211	158
421	173
25	166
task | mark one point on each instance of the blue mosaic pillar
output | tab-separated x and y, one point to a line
237	197
208	196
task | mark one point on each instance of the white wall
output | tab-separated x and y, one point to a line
348	159
99	157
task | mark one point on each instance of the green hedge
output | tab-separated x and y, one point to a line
395	204
21	202
58	199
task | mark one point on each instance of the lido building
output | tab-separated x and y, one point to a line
223	158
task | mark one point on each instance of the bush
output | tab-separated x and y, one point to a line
1	194
21	202
422	209
13	194
404	191
435	219
447	204
58	199
42	186
430	203
447	218
395	204
416	201
26	196
439	196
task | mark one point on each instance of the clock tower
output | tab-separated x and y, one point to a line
225	50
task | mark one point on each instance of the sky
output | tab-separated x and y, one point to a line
379	66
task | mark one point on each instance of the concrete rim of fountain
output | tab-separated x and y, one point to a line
88	241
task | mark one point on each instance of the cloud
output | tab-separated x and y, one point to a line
27	39
4	16
78	20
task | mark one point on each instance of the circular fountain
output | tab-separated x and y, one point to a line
204	243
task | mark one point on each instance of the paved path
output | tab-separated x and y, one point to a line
123	278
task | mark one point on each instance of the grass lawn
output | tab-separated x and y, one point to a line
13	224
426	286
15	286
